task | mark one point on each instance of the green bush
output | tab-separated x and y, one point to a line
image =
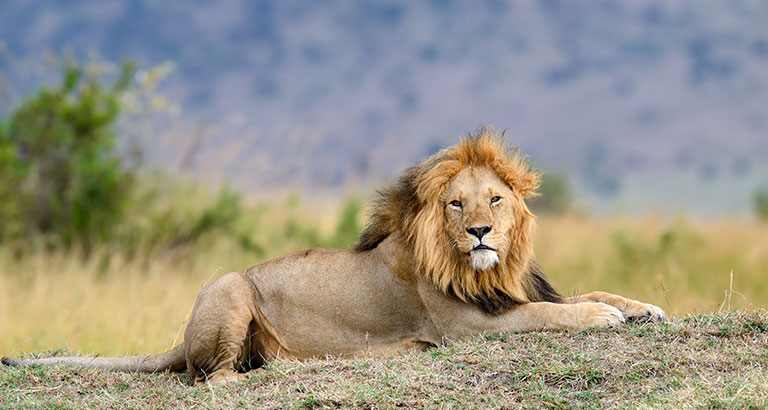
760	204
61	177
554	195
344	235
169	214
63	184
349	227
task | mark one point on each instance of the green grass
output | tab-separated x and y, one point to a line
717	360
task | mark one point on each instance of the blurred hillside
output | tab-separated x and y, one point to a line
646	104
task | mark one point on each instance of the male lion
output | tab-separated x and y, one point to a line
447	255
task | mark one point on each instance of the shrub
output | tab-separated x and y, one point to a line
63	183
760	204
61	176
348	227
554	195
344	235
169	214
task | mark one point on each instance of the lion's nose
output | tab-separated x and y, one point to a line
479	231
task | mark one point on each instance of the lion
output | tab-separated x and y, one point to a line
447	255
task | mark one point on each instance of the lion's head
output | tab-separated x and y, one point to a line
463	213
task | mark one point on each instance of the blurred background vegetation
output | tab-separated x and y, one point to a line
65	186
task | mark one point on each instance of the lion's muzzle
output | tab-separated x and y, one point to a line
483	257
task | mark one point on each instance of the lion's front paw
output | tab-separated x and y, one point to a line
644	311
595	314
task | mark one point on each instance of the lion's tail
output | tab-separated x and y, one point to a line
173	360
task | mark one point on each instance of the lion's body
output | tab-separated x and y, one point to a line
448	254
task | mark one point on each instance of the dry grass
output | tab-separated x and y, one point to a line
704	361
53	301
62	304
683	266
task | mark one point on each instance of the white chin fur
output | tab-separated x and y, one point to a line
484	259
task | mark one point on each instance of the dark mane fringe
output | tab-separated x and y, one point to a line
394	205
537	288
389	207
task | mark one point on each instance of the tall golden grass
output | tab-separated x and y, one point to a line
54	300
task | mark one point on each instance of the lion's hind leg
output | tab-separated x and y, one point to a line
218	337
632	309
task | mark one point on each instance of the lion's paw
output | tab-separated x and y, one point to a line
600	315
644	312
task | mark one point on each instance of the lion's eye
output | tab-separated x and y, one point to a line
456	203
495	199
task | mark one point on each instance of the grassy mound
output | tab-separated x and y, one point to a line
717	360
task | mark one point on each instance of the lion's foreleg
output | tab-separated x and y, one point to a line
633	309
556	316
221	378
529	317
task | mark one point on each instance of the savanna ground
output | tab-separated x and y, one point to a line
704	361
58	301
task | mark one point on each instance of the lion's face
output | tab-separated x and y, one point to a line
479	214
462	215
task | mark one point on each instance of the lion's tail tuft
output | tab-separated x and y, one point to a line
8	361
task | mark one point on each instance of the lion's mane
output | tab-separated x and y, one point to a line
414	205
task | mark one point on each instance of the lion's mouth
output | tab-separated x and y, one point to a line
481	247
